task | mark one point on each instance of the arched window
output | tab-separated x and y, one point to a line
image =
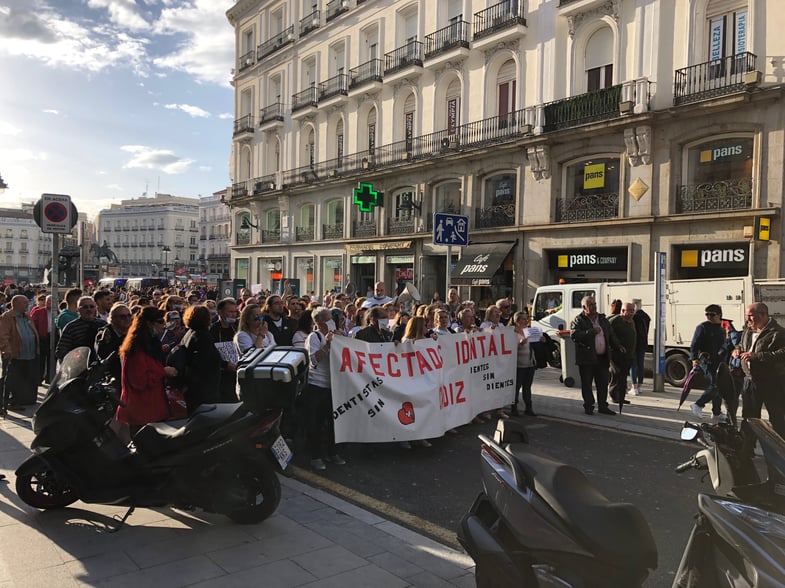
453	106
371	134
333	221
409	109
506	89
306	218
339	141
599	60
310	149
591	190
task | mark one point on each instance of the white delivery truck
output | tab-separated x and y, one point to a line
555	307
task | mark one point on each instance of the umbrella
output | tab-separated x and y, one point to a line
701	368
727	391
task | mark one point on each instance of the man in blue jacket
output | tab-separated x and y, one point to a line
707	344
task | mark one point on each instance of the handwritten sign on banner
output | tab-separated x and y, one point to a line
417	390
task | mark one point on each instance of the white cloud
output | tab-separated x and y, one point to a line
194	111
205	168
123	13
161	159
226	116
115	187
21	154
6	128
208	52
50	111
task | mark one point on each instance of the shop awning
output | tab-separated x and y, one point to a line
479	262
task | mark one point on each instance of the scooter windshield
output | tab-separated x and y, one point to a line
74	365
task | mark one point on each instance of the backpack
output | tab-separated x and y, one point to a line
543	355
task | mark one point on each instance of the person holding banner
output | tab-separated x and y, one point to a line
376	331
320	433
526	365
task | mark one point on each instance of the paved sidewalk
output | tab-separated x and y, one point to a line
315	539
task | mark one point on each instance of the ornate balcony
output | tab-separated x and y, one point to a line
246	60
310	23
308	98
332	231
588	208
499	215
368	73
584	108
303	233
336	87
401	225
271	235
243	125
243	237
335	8
729	75
713	196
448	40
503	21
285	37
264	184
403	58
272	113
364	229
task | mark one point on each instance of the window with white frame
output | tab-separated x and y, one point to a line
506	89
599	60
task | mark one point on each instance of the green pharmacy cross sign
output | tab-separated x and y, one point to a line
365	197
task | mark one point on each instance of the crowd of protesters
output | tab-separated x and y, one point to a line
141	331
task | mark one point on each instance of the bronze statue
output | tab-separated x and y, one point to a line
100	251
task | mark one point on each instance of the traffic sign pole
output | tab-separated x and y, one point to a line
447	272
54	276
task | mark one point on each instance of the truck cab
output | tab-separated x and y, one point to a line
556	306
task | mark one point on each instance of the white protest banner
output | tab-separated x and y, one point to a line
415	390
228	351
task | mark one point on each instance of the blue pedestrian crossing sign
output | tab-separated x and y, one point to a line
450	229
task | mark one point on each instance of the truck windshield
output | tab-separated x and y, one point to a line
547	303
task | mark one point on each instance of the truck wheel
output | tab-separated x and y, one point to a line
677	368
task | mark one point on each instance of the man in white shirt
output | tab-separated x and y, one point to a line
379	296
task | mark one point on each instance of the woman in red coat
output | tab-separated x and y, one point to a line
144	372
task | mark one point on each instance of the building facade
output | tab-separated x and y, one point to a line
579	137
157	236
26	251
214	232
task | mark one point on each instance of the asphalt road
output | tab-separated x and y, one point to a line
430	489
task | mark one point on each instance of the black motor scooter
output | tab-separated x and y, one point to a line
223	459
540	522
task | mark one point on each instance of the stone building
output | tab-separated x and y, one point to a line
578	137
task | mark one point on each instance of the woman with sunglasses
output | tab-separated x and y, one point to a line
252	330
143	371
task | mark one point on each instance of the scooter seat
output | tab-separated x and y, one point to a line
160	438
614	531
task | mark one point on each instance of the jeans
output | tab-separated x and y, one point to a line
636	369
523	383
711	393
319	432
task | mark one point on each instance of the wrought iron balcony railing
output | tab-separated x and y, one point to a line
244	124
277	41
243	237
403	57
587	208
333	86
499	215
452	36
584	108
370	71
400	225
364	229
498	17
310	23
335	8
264	184
332	231
271	235
304	233
246	60
306	98
451	208
713	78
733	194
273	111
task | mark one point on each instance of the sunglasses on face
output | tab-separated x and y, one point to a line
711	314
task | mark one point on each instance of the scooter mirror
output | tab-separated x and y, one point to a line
689	434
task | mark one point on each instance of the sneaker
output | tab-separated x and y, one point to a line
336	459
697	410
318	464
720	418
635	391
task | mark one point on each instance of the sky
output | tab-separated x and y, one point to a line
106	100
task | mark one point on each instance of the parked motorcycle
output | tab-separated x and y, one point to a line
540	522
223	459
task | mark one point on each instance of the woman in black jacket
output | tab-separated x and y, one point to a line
203	364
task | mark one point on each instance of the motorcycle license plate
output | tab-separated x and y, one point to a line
281	452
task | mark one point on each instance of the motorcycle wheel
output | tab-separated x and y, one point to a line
44	490
261	491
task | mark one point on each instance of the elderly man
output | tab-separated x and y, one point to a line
82	331
594	339
19	349
505	310
374	332
222	331
379	296
762	353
